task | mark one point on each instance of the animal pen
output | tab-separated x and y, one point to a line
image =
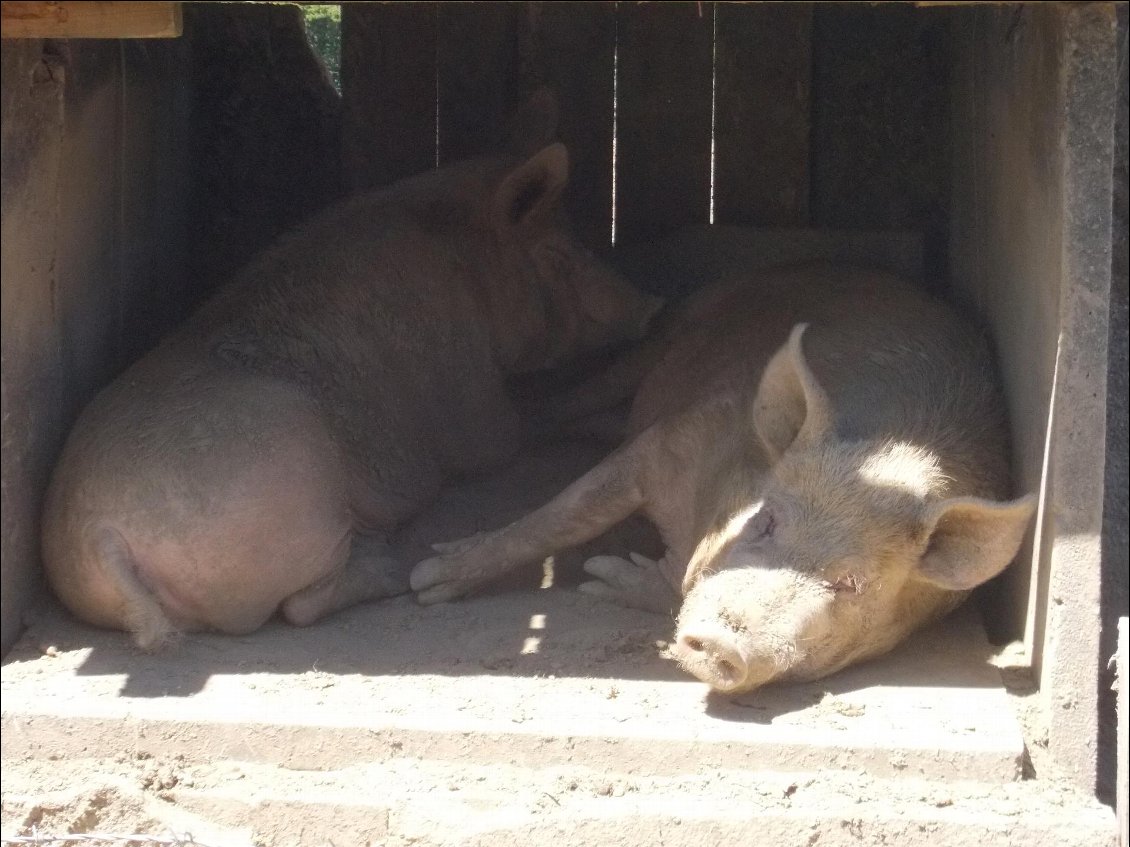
149	149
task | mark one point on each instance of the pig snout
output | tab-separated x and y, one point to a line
712	654
739	629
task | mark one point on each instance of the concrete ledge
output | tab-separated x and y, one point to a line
544	678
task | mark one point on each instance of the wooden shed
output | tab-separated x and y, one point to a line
149	149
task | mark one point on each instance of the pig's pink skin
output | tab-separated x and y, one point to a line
255	460
824	452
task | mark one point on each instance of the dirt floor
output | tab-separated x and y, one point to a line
530	714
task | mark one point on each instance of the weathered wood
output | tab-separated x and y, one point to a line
663	118
155	286
88	256
478	75
569	47
763	61
880	140
90	20
32	157
266	132
388	69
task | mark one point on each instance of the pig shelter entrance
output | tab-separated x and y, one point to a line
967	148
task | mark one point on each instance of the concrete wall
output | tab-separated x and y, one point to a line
1031	238
94	176
1114	589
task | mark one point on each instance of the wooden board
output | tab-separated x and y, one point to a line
569	47
477	55
388	69
880	154
663	118
761	126
90	20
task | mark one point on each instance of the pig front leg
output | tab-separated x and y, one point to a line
636	582
601	498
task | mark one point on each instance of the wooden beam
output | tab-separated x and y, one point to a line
89	20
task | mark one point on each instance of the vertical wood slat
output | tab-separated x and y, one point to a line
880	114
477	56
663	125
761	136
388	69
155	112
569	47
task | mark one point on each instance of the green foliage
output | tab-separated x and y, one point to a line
323	29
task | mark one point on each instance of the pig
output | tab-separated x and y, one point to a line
824	453
257	460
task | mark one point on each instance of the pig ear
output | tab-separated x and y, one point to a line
790	406
972	540
530	194
534	125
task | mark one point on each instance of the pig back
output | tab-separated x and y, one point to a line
373	315
894	362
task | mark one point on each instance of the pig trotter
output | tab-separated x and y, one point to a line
637	584
461	567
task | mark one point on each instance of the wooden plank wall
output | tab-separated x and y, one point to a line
93	249
426	83
388	68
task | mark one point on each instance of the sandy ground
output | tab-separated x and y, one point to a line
530	715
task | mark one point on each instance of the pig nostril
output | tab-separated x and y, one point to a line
714	658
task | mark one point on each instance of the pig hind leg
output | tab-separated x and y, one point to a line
636	582
369	572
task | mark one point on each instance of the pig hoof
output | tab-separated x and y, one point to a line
636	584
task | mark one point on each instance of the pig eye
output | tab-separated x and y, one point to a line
761	526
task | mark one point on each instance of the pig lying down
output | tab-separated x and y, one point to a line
256	460
824	453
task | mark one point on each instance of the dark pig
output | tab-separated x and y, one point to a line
257	459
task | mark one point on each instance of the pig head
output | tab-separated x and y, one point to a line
824	452
846	546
